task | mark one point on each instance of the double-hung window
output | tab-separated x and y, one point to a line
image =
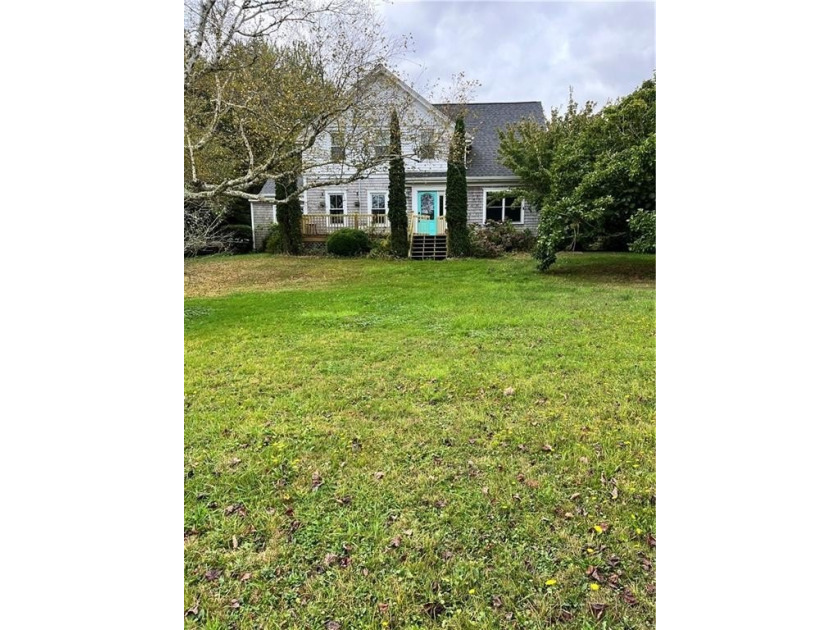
498	207
337	152
426	146
379	207
382	145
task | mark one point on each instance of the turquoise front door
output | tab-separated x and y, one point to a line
427	204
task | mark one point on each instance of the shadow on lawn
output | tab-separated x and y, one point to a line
605	268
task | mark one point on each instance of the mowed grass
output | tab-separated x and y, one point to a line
396	444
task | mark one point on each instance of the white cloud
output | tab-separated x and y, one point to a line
529	50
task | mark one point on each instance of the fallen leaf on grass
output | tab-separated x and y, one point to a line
434	609
547	448
597	610
192	611
236	508
629	598
383	607
235	461
234	542
509	391
568	515
531	483
565	616
245	577
497	601
293	527
344	500
378	475
317	481
485	490
614	492
592	572
576	495
234	603
212	574
396	542
651	541
330	559
333	625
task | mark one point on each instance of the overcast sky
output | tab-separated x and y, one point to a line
528	51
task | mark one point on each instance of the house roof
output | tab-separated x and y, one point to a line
483	121
268	188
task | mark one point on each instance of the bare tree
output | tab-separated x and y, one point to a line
266	81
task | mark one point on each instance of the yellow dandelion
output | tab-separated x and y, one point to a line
550	582
471	591
598	529
384	624
590	550
594	586
638	531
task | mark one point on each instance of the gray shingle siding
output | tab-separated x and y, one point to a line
262	215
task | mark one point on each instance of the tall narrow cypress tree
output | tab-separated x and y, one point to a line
456	193
289	216
396	192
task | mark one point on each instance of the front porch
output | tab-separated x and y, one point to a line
317	227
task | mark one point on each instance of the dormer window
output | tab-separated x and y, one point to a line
426	146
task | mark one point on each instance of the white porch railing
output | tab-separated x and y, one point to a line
325	224
322	225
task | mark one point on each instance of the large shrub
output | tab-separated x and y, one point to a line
274	240
348	242
643	229
589	172
240	238
498	237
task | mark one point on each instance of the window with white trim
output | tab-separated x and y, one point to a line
426	146
498	207
379	207
337	207
382	144
337	152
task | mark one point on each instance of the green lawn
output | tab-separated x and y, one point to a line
383	444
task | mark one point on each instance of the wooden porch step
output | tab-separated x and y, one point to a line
425	247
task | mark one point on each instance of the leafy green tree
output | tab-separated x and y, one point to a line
589	173
456	193
396	192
